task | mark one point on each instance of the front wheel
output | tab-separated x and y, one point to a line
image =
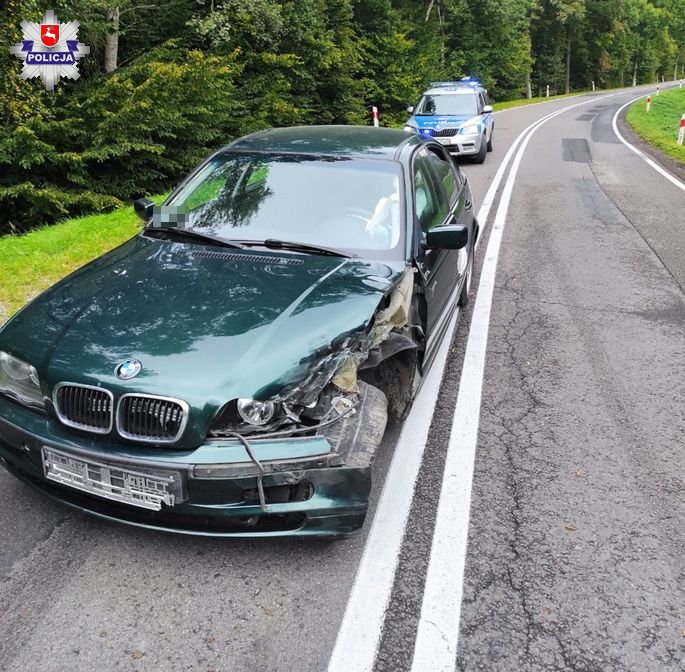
466	287
480	157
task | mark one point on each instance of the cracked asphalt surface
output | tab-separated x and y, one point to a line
580	458
575	543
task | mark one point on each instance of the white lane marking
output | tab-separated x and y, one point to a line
571	96
659	169
561	99
360	631
438	629
491	193
489	199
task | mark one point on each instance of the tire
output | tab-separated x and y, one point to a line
480	157
357	437
492	135
466	287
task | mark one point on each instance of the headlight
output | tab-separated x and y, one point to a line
471	129
20	380
409	129
256	412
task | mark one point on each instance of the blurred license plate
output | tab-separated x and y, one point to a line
147	491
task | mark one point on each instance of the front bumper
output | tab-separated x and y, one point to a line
461	144
310	490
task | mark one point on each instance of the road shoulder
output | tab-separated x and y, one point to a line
673	166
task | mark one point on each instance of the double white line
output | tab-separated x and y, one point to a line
438	630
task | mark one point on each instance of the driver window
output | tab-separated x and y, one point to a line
430	210
447	175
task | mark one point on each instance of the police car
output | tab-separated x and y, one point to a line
458	115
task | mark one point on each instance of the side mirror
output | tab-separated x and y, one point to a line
410	109
143	208
487	109
452	237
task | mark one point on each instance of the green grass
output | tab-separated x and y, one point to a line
659	126
36	260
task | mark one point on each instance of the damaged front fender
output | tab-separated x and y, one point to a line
308	403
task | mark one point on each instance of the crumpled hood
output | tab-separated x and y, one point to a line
208	324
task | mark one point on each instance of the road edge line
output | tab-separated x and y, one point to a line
361	627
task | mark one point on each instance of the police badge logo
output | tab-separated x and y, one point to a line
50	50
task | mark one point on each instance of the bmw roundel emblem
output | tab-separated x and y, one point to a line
129	368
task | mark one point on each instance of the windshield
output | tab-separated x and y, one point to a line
346	204
452	104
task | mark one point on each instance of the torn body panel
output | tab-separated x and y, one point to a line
309	405
349	412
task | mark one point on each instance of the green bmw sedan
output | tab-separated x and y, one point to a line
231	369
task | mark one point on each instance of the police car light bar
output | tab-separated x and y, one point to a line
464	81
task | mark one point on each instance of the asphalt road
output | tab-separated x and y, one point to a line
575	540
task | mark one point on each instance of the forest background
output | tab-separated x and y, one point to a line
168	80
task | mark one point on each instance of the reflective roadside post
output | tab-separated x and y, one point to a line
593	86
658	89
548	90
649	103
681	131
374	115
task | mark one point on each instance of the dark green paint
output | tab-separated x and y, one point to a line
206	330
208	327
357	141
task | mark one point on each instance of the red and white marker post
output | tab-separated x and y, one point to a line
374	115
681	130
649	103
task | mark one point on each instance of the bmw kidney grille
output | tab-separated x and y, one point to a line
139	417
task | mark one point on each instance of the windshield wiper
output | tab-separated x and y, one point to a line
195	235
273	244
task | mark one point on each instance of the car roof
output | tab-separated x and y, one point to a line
348	141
